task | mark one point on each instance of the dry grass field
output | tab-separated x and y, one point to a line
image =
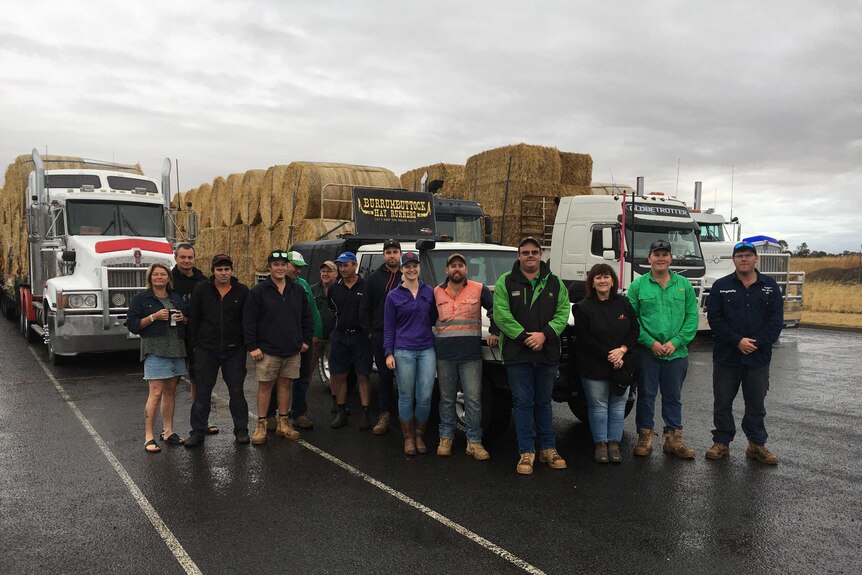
833	290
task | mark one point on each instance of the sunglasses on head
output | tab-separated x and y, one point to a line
279	255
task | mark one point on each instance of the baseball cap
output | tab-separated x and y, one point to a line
409	258
455	256
741	246
391	243
530	240
329	264
221	260
296	259
278	255
346	257
660	245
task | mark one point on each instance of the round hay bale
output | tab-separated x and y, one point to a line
233	191
204	201
258	248
249	204
272	196
220	201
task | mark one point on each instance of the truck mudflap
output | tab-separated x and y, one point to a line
86	334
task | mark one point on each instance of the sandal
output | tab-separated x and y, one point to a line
174	439
212	429
154	444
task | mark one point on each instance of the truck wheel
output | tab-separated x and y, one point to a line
27	333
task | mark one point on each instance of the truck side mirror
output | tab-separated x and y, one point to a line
489	229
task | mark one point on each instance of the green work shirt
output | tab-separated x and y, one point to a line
665	313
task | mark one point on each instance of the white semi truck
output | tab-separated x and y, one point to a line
91	235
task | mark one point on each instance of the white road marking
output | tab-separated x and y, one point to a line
166	534
440	518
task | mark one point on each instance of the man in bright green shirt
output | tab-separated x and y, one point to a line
666	306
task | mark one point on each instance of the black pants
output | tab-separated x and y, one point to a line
726	381
233	372
385	375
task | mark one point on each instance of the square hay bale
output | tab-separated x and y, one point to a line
576	169
569	190
412	179
518	163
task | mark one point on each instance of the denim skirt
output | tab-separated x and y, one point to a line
158	367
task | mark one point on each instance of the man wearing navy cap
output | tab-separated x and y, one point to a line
383	280
746	313
349	346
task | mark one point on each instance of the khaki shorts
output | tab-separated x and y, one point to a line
272	367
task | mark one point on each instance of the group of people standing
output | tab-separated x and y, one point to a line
193	325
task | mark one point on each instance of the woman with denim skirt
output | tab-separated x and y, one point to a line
408	341
158	316
606	330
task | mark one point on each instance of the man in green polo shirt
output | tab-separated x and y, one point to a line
666	306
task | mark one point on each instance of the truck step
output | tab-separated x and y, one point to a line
38	329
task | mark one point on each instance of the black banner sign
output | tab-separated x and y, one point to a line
393	212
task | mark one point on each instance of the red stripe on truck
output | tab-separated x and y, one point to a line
119	245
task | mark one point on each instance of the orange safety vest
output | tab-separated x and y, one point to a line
459	315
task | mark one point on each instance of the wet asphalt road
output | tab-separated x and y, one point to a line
222	508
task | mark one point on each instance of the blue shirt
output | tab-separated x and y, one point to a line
735	312
407	320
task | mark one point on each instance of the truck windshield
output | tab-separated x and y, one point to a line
466	229
483	266
684	244
712	233
115	219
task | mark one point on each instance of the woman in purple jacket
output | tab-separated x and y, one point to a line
408	342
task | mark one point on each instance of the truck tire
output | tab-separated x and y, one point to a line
28	334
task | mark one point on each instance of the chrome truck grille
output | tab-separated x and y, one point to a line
124	283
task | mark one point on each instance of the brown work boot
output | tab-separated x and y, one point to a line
601	453
478	451
644	445
717	451
420	437
525	464
445	447
552	458
674	445
382	425
409	442
614	455
303	422
259	437
760	453
271	423
285	430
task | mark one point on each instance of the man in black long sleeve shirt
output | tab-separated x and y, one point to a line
384	279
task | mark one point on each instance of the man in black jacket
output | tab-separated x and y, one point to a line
278	327
384	279
215	332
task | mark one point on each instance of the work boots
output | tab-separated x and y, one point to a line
420	437
614	455
409	442
717	451
259	437
674	445
525	464
382	425
445	447
478	451
285	430
601	453
761	454
644	445
340	419
552	458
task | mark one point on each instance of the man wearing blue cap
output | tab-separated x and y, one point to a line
349	345
746	313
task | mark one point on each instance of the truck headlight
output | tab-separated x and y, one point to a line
85	300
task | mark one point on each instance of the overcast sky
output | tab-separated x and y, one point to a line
771	91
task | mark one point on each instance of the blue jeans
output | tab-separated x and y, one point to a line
414	372
531	385
469	373
726	380
606	411
665	375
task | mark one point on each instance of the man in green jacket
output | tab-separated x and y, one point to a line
666	307
531	308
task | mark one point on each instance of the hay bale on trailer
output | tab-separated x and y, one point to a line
204	209
249	200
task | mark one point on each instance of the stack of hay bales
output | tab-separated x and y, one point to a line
452	176
500	179
13	221
248	215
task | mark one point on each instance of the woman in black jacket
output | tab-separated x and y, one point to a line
607	331
158	315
